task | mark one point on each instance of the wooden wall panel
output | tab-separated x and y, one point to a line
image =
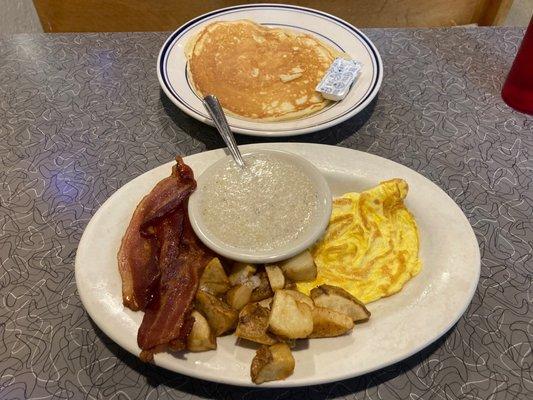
164	15
495	12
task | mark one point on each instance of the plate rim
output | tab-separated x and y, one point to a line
369	97
310	381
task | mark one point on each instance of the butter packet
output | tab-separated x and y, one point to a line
338	79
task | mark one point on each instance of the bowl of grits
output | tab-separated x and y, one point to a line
275	207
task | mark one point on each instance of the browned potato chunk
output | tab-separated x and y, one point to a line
299	296
221	317
300	268
240	273
289	318
238	296
329	323
214	279
275	277
340	300
201	337
263	291
253	324
272	363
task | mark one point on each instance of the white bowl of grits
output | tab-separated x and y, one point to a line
275	207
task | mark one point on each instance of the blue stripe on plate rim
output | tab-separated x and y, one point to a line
171	41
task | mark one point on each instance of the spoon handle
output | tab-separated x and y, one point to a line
214	109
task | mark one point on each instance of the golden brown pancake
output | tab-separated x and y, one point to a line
257	72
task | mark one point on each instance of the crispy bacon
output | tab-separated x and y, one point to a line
167	319
160	262
138	254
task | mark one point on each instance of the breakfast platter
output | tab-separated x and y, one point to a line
238	84
402	322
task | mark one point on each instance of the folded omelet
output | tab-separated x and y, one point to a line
259	73
371	245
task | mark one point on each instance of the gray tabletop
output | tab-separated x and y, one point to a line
82	114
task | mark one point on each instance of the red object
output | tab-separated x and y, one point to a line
517	90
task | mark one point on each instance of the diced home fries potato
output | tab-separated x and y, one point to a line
299	296
240	273
340	300
214	279
263	291
221	317
275	277
289	318
253	324
201	337
329	323
238	296
300	268
272	363
272	312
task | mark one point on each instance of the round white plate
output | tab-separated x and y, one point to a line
427	307
173	77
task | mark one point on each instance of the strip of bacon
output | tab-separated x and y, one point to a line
160	261
167	321
138	254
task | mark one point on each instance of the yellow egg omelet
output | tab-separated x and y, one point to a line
371	245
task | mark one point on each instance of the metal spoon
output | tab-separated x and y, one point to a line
214	109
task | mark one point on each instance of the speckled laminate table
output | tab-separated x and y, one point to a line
82	114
